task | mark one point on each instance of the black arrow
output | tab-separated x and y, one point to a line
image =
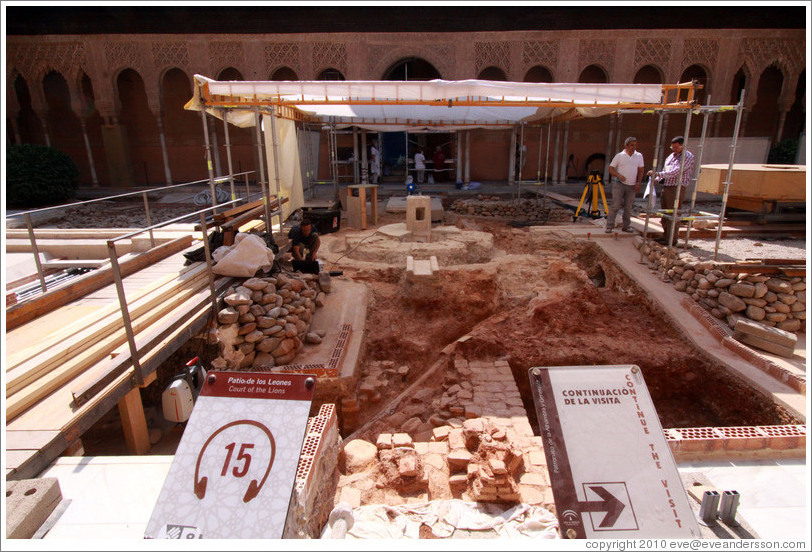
610	504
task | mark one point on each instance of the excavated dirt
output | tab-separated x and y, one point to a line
548	308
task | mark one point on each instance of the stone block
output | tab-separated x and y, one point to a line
384	441
29	502
438	447
402	440
441	433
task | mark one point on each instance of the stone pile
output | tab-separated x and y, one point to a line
772	300
267	320
521	209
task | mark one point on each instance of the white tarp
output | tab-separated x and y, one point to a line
287	156
385	105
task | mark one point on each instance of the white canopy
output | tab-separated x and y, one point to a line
421	105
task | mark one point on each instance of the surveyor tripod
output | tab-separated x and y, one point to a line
593	187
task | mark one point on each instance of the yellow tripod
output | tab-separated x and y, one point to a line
596	181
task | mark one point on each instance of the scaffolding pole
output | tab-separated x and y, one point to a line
739	110
672	238
654	163
228	154
695	176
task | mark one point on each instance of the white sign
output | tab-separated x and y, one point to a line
612	472
234	469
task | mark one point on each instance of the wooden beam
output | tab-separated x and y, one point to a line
48	301
110	314
134	423
100	339
113	347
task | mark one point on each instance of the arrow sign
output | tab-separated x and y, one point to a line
610	504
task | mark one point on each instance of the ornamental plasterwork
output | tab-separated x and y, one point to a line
123	54
597	51
330	55
700	51
540	52
762	52
280	54
495	54
226	54
36	59
170	54
656	51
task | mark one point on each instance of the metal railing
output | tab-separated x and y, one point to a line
144	193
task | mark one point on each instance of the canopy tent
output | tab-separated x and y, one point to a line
396	106
390	106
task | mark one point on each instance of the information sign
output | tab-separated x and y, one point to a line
612	472
234	469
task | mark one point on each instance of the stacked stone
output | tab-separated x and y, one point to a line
777	301
267	320
523	209
481	462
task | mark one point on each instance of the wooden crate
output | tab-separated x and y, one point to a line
756	182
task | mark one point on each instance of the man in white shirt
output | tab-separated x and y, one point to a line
375	163
627	167
420	165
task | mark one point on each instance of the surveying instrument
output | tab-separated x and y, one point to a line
593	187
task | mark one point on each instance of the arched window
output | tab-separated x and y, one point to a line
538	73
413	69
697	73
330	74
284	74
593	74
492	74
230	74
648	74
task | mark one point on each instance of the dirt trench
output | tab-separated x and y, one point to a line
558	304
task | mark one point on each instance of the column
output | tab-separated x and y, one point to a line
564	150
164	151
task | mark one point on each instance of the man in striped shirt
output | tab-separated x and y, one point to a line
670	176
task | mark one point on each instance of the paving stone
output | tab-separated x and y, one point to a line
384	441
441	433
402	440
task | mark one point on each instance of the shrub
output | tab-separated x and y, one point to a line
38	176
783	152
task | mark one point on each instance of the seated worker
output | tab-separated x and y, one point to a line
304	238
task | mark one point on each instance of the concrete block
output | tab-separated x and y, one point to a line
29	502
764	344
766	333
418	213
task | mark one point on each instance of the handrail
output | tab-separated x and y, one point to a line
33	239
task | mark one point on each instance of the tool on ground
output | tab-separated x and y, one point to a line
340	521
593	186
178	399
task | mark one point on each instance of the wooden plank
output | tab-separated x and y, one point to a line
99	316
48	301
100	375
231	213
29	439
94	336
755	181
48	382
134	423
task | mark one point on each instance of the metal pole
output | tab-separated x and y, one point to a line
149	220
354	154
467	157
654	163
228	154
261	157
538	168
556	177
364	164
276	179
512	158
696	175
608	158
739	111
35	249
208	159
207	250
547	159
164	152
672	238
458	138
125	313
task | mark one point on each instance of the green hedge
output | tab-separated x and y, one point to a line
38	176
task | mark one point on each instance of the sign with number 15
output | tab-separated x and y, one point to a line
234	469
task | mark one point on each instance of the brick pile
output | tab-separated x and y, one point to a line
267	320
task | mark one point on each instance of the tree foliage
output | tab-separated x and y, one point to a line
39	175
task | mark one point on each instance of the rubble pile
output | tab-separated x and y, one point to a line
267	320
773	300
521	209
